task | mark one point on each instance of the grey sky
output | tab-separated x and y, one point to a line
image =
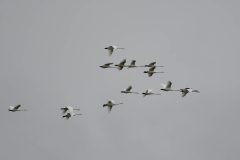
50	53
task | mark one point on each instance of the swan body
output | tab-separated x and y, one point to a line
185	91
107	65
16	108
152	64
121	64
168	87
69	112
112	48
149	92
151	71
133	64
110	104
128	90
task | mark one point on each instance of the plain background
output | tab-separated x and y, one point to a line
50	56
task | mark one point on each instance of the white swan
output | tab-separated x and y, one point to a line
151	71
168	87
16	108
107	65
185	91
69	112
112	48
133	64
110	104
128	90
152	64
121	64
149	92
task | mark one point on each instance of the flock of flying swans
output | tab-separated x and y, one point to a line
150	72
69	111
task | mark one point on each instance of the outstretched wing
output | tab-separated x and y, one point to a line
133	63
129	88
109	108
17	106
108	64
120	67
150	74
64	110
184	94
67	116
197	91
110	50
152	68
169	84
123	62
152	63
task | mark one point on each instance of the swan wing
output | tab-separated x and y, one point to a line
150	74
123	62
108	64
17	106
184	93
169	84
129	88
109	108
152	68
64	110
133	63
152	63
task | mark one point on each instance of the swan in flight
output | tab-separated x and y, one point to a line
107	65
149	92
112	48
151	71
152	64
185	91
68	108
16	108
128	90
110	104
69	112
133	64
168	87
121	64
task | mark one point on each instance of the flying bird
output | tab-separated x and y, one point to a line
107	65
128	90
68	108
168	87
110	104
121	64
16	108
133	64
152	64
149	92
69	112
151	71
185	91
112	48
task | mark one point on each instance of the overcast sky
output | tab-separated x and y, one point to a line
50	56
